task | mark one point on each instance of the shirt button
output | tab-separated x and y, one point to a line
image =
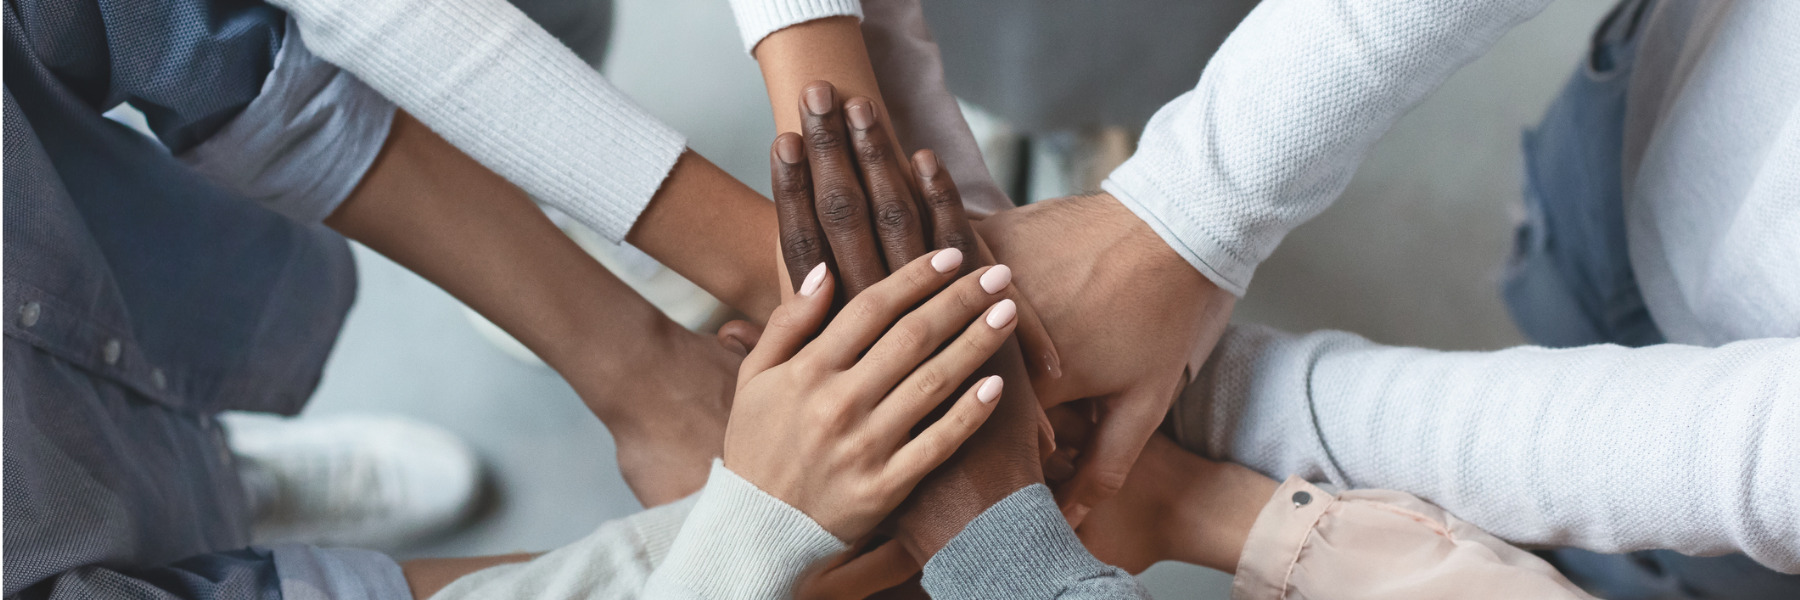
1302	499
28	314
110	352
158	379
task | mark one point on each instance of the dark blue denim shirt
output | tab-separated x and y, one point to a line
140	299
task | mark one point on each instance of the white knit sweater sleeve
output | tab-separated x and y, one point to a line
1605	448
497	86
756	19
740	542
1283	114
612	563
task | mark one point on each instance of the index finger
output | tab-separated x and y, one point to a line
802	240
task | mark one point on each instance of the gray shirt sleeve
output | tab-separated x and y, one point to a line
1022	548
304	143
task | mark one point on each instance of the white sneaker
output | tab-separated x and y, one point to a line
373	482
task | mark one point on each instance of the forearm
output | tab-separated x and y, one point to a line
1496	437
716	232
435	211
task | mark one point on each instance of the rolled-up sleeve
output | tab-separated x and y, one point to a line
304	143
1308	543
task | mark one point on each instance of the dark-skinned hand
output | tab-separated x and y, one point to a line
843	198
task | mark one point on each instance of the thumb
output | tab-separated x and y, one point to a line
739	336
1123	430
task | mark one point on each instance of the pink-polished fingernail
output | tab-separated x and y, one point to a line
787	148
818	99
995	279
1003	313
862	114
926	163
989	389
813	280
947	260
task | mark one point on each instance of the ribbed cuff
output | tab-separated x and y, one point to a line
756	19
740	542
657	528
1139	193
497	86
1018	548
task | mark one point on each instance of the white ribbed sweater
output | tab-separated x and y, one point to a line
497	86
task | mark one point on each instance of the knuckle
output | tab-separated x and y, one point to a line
791	182
931	383
893	216
940	196
867	307
870	151
802	245
910	334
839	205
956	238
823	139
1109	481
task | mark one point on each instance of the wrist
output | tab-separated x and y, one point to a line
1214	512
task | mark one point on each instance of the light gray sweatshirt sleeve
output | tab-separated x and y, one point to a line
1022	548
1606	448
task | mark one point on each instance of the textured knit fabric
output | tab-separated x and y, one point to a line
741	542
1285	111
1021	547
301	146
1600	447
613	562
495	85
756	19
1379	544
141	298
1712	170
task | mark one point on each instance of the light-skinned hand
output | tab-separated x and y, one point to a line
1127	313
826	425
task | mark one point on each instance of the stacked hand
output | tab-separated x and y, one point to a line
820	183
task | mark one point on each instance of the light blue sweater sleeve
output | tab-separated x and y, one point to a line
1022	548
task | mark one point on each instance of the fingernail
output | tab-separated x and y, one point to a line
995	279
818	99
1003	313
862	115
990	389
787	148
947	260
1053	364
926	163
813	280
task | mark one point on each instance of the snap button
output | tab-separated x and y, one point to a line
1302	499
28	314
110	352
158	379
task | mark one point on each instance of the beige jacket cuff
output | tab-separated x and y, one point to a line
1307	543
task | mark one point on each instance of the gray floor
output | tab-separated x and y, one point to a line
1409	256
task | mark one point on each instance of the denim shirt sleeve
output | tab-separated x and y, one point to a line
286	572
302	145
1022	548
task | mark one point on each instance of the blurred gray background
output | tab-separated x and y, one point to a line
1409	256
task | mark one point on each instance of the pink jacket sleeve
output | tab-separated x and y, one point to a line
1309	544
